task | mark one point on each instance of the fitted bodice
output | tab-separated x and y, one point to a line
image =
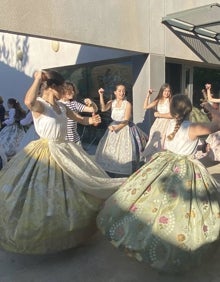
181	144
118	113
163	108
50	124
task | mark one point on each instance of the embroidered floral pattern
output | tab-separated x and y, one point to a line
167	220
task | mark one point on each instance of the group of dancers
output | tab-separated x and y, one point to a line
54	196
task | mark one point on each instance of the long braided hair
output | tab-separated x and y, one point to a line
180	108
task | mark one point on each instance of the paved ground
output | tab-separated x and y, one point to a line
98	261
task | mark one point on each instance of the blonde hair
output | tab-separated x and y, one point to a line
180	108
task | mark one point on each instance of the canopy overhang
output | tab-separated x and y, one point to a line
203	21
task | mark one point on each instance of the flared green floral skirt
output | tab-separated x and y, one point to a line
166	214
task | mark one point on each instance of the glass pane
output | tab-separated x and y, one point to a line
201	77
88	79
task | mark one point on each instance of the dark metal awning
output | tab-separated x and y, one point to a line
203	21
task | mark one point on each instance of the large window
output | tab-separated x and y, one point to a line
201	76
173	76
90	77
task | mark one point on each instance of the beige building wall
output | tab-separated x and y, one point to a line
133	25
121	26
117	23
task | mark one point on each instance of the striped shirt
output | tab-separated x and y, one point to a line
72	134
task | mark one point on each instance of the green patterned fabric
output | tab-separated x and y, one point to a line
198	115
166	214
50	194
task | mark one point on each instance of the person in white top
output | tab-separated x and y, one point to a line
27	120
167	213
118	151
157	135
52	190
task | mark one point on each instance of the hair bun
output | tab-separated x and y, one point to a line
53	77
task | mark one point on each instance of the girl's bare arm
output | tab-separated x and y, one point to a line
104	107
96	119
30	99
147	103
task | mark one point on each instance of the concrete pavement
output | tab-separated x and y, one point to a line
98	261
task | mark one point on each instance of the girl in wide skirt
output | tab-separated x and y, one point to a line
167	213
158	130
51	191
119	150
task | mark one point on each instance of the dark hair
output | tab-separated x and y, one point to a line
50	79
19	112
117	84
162	88
68	84
180	108
54	77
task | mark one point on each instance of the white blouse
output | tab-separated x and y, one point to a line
181	144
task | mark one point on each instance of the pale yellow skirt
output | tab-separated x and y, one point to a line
50	194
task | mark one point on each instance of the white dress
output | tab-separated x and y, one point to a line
51	191
11	135
119	151
157	133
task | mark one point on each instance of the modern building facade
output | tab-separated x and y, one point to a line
95	43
